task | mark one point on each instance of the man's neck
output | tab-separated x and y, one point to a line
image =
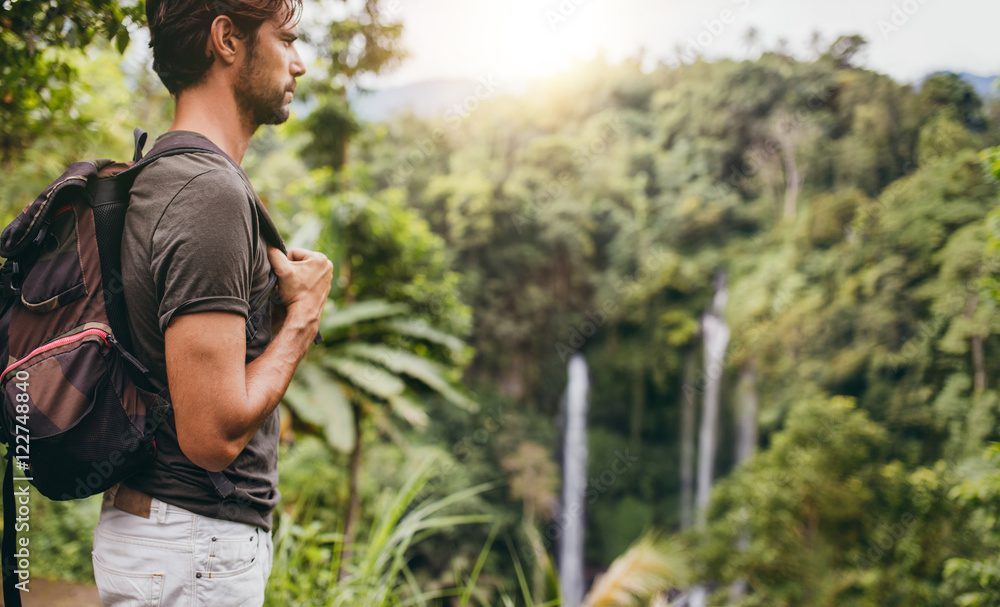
214	114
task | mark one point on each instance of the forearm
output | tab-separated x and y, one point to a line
268	376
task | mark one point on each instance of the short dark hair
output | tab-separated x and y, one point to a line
179	32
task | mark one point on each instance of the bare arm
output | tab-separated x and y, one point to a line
219	403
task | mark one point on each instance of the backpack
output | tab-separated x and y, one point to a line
77	410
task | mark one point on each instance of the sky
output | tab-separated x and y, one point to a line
525	39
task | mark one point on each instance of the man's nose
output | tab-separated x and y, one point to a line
298	67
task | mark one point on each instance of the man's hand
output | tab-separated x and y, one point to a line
304	280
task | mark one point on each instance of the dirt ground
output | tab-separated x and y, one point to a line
56	593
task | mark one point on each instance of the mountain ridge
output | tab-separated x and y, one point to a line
438	97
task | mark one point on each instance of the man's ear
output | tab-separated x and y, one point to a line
222	41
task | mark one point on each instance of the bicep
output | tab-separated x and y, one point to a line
206	373
202	250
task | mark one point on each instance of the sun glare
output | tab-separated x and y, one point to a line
536	39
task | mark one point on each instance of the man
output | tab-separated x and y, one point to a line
195	258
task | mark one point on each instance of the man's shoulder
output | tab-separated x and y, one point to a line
193	187
165	177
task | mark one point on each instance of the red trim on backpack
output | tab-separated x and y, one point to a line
62	341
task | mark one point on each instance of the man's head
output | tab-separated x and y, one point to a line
247	43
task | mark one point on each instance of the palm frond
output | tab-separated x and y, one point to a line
419	329
648	567
339	320
366	376
318	399
413	413
400	361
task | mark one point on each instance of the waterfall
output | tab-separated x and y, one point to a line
715	332
574	484
716	335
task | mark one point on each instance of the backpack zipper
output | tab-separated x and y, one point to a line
62	341
125	353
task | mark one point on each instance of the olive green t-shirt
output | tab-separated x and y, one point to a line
192	243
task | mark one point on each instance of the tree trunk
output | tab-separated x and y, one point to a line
511	381
793	179
746	439
976	346
354	506
688	421
345	279
977	361
638	405
746	444
789	133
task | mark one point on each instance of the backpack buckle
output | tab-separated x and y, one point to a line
140	142
11	279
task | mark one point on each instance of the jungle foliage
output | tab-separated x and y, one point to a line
854	216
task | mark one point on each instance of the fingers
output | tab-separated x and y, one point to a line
282	264
302	254
293	255
279	262
304	281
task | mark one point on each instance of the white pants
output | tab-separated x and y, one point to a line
177	558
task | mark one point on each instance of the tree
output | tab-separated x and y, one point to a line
831	520
381	353
844	49
750	38
973	578
367	42
36	76
816	43
948	93
783	48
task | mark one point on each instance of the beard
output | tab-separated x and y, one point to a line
259	100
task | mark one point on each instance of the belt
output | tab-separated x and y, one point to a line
128	500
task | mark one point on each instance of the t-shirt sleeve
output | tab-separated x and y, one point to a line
202	248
